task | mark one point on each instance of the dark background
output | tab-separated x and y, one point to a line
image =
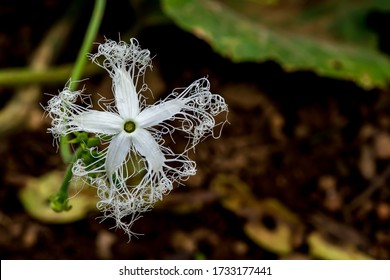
318	146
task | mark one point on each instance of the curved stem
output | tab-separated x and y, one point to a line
81	60
59	202
90	36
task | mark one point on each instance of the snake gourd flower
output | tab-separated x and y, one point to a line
133	134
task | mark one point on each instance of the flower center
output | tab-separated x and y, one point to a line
129	126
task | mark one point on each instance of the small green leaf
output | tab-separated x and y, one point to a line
297	43
59	203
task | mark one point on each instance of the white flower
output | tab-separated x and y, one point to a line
135	169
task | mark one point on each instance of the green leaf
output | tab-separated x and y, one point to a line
298	38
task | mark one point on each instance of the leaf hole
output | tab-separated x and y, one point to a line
269	222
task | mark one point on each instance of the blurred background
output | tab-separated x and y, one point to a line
301	172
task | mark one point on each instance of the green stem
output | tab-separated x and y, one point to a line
50	76
90	36
81	60
59	202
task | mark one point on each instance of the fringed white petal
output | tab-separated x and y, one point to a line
197	115
98	122
126	97
147	146
117	152
156	114
122	55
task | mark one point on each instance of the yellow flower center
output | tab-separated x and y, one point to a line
129	126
